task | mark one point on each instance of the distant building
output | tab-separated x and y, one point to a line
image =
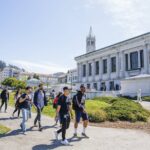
72	76
62	79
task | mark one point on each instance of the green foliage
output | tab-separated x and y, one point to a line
3	130
35	76
2	65
13	82
146	98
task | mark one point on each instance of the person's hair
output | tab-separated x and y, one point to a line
28	87
17	92
59	94
41	84
65	88
82	86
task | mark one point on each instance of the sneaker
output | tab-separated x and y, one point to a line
24	133
40	129
83	134
21	127
56	135
65	142
75	135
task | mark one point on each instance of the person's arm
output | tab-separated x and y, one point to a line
70	110
21	100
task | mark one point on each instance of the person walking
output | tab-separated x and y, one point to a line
16	99
55	103
80	112
25	103
64	112
40	101
5	98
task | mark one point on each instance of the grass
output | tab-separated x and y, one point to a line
4	130
102	109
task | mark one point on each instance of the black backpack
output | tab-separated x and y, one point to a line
75	102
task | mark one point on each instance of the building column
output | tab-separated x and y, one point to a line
139	60
146	58
109	67
87	71
129	62
122	62
117	64
100	68
93	70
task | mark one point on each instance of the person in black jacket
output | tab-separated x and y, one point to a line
39	101
5	98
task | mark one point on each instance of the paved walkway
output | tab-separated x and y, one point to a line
100	138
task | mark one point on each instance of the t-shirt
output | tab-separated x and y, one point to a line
26	103
64	102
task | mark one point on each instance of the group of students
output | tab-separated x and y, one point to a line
62	103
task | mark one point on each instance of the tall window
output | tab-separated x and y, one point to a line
112	86
113	64
95	86
84	70
90	69
105	66
142	58
97	67
126	62
88	86
134	60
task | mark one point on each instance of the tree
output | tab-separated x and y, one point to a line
13	82
2	65
35	76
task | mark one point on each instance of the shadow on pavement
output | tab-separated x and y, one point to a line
12	133
55	144
9	118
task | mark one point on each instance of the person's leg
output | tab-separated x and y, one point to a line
39	118
36	118
2	104
24	118
6	104
14	111
18	112
77	120
85	122
64	123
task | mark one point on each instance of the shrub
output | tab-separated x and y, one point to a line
97	116
127	110
146	98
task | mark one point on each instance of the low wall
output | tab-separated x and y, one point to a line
91	95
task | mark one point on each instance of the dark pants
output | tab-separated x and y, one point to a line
65	121
38	117
4	102
17	109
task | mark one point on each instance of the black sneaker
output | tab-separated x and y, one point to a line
40	129
83	134
75	135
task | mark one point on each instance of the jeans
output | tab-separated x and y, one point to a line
25	117
38	117
30	111
4	102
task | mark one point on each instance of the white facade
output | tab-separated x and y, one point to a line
131	86
103	69
72	76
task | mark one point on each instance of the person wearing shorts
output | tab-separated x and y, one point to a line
80	112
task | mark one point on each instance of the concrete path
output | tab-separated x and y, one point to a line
146	105
100	138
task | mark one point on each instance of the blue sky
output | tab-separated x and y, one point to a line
45	35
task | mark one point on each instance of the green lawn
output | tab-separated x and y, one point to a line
3	129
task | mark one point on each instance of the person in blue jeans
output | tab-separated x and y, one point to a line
80	112
25	103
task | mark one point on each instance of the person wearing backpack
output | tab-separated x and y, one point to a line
40	101
55	102
5	98
24	105
79	109
16	98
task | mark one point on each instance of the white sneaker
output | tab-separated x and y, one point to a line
56	135
24	133
65	142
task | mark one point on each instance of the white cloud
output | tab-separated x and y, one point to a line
43	67
132	16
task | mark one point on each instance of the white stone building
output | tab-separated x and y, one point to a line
72	76
104	68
